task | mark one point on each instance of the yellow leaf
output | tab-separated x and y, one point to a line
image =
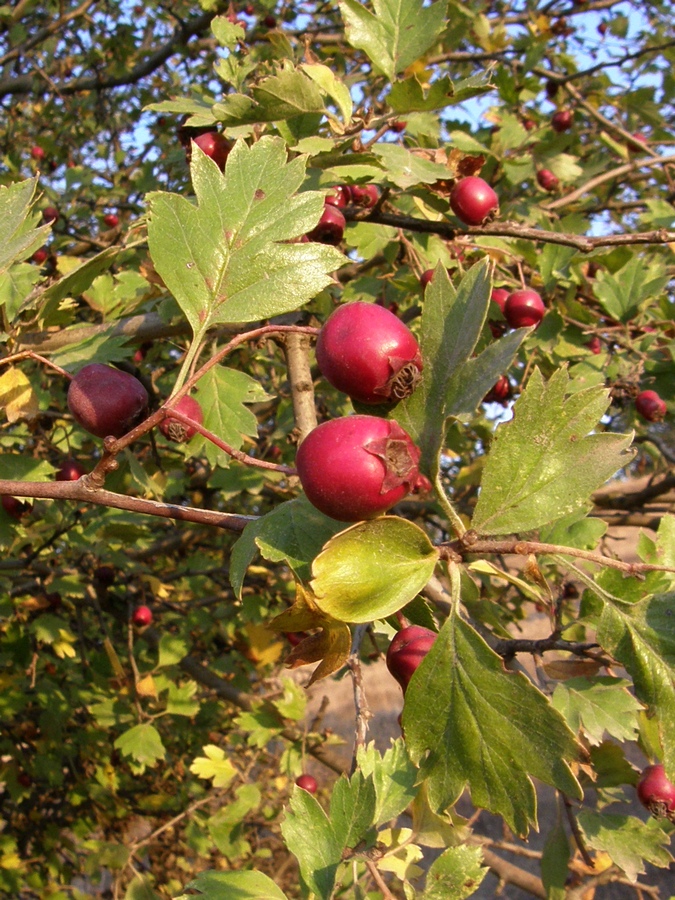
264	647
17	396
146	687
64	646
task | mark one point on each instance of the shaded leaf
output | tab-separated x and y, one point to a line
598	705
311	837
352	808
234	886
18	238
394	777
456	874
142	743
627	840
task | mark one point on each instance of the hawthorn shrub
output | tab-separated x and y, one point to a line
153	743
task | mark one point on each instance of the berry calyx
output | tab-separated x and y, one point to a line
215	145
111	220
15	508
473	201
656	792
562	120
499	296
650	406
357	467
141	616
407	650
547	180
524	308
330	227
70	470
365	195
106	401
307	783
177	431
366	351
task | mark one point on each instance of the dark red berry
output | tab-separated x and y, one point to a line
547	180
105	575
473	201
499	296
14	507
50	214
307	783
407	650
270	21
656	792
106	401
357	467
638	143
398	126
37	152
111	220
295	637
24	779
177	431
501	391
70	470
341	196
650	406
595	344
141	616
330	227
529	124
524	309
426	277
602	28
369	353
562	120
215	146
40	256
551	88
365	194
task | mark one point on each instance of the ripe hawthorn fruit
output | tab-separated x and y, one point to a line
24	779
562	120
111	220
270	21
473	201
330	228
500	392
177	431
595	344
368	353
499	296
307	783
650	406
70	470
215	145
638	143
106	401
426	277
37	152
50	214
105	575
341	196
656	792
524	308
357	467
547	180
15	507
365	195
40	256
141	616
398	126
407	650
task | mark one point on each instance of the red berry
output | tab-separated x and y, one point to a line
602	28
37	152
50	214
407	650
499	296
473	201
562	120
523	309
40	256
398	126
106	401
215	145
141	616
24	779
551	88
365	194
547	180
270	21
529	124
295	637
501	392
341	196
650	406
14	507
111	220
656	793
357	467
639	142
175	430
330	227
105	575
70	470
426	277
307	783
595	344
369	353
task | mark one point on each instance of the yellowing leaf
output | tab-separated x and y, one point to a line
213	765
264	647
146	687
63	647
17	396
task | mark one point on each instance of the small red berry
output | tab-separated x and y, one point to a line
37	152
595	344
398	126
24	779
473	201
307	783
639	142
500	296
357	467
602	28
341	196
50	214
426	277
407	650
547	180
177	431
295	637
365	194
562	120
656	792
40	256
142	616
524	309
500	392
529	124
270	21
364	350
106	401
330	227
551	88
111	220
650	406
70	470
14	507
215	145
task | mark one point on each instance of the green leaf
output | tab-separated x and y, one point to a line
338	91
213	765
225	258
141	889
172	649
286	94
394	777
352	808
641	636
181	700
627	840
18	239
234	886
623	292
77	280
351	584
598	705
545	463
397	34
311	837
16	285
554	863
226	826
142	743
456	874
477	375
469	722
405	169
412	95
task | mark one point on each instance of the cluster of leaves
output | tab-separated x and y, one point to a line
204	286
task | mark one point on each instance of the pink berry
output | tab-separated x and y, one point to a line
141	616
547	180
70	470
307	783
524	309
106	401
656	792
357	467
638	143
426	277
650	406
595	344
407	650
37	152
562	120
330	227
366	351
215	145
365	194
177	431
473	201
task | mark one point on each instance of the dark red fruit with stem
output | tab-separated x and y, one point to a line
650	406
547	180
500	392
37	152
111	220
106	401
365	194
656	792
40	256
141	616
562	120
307	783
499	296
177	431
524	309
70	470
357	467
14	507
341	196
366	351
215	145
595	344
50	214
407	650
473	201
330	227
